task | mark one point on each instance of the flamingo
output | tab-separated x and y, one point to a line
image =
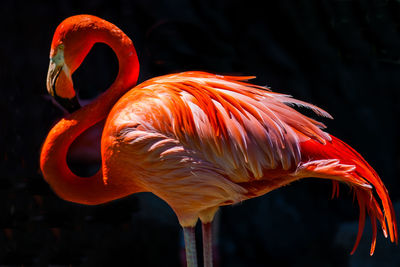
196	140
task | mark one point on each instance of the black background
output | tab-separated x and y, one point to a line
343	56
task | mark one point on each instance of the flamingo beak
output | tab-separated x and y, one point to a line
55	68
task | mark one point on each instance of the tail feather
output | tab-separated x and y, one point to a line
362	178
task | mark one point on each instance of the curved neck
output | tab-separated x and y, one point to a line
53	162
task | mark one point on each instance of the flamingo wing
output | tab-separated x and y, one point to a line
242	128
196	136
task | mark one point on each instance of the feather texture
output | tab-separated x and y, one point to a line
238	126
351	168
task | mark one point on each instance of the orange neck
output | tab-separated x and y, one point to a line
53	162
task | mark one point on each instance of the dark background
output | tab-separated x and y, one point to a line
343	56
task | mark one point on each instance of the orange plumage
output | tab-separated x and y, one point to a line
197	140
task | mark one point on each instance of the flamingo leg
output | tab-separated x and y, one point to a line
190	246
207	244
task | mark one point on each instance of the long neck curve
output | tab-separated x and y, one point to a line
89	190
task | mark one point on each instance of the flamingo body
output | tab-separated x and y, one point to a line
197	140
192	138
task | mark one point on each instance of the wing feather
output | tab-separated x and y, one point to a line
243	128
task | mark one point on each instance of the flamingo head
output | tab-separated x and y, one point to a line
71	43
